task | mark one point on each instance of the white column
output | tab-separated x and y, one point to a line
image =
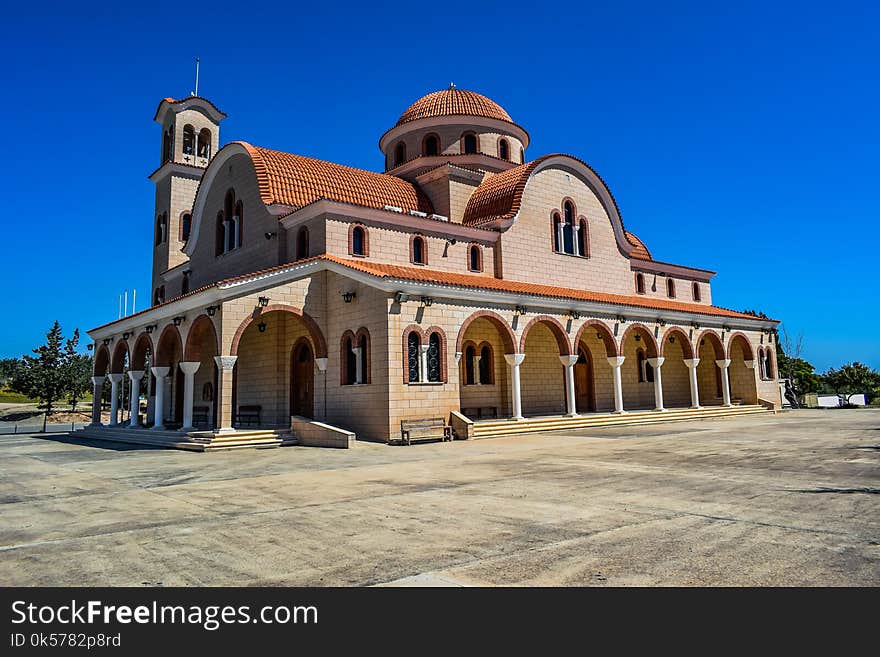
115	380
616	362
568	362
97	391
135	376
723	364
358	365
225	412
477	370
695	390
560	230
575	228
189	371
159	410
423	363
515	360
657	363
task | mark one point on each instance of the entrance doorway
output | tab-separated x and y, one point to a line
583	381
302	379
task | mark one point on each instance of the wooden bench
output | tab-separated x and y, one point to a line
424	429
248	416
200	416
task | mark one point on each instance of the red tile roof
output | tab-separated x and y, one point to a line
297	180
454	102
641	251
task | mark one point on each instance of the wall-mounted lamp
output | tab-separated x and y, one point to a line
178	320
726	329
263	301
348	297
261	327
599	335
107	341
702	341
427	301
672	339
638	338
211	310
90	346
621	319
520	310
661	321
574	314
401	297
270	235
696	326
126	335
150	328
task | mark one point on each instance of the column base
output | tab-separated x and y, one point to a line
620	412
696	408
517	418
96	424
225	430
186	429
571	414
133	426
158	427
659	410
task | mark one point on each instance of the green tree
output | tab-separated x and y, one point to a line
41	377
77	372
8	367
852	379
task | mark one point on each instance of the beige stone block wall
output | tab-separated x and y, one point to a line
496	394
542	376
656	288
450	141
602	374
707	371
636	394
527	247
675	375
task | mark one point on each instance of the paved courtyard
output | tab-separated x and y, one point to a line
768	500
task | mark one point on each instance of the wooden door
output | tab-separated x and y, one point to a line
583	382
302	380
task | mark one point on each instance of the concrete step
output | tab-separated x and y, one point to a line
197	441
560	423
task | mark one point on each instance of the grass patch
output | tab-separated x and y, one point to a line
9	397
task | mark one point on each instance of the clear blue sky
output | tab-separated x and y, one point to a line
743	138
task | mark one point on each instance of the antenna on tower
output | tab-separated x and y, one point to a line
196	92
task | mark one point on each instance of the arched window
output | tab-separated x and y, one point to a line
302	243
185	226
762	363
431	146
769	366
487	367
358	241
349	360
640	362
399	153
696	291
522	156
189	140
470	364
184	285
161	228
568	243
556	223
435	358
475	258
503	149
204	144
167	146
363	343
419	251
640	284
413	356
238	225
470	143
583	236
670	288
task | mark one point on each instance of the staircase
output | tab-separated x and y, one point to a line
483	428
195	441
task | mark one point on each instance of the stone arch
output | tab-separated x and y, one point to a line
311	326
555	328
716	342
685	342
606	335
117	363
643	331
748	352
507	335
142	345
102	361
168	344
201	331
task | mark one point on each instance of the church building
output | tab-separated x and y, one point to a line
469	281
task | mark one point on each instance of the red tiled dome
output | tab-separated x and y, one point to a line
454	102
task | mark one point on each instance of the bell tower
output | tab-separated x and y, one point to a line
190	138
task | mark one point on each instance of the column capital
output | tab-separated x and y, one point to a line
691	362
160	372
321	364
135	375
225	363
457	357
116	377
657	363
616	361
189	367
568	360
514	359
423	347
751	364
98	380
723	363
